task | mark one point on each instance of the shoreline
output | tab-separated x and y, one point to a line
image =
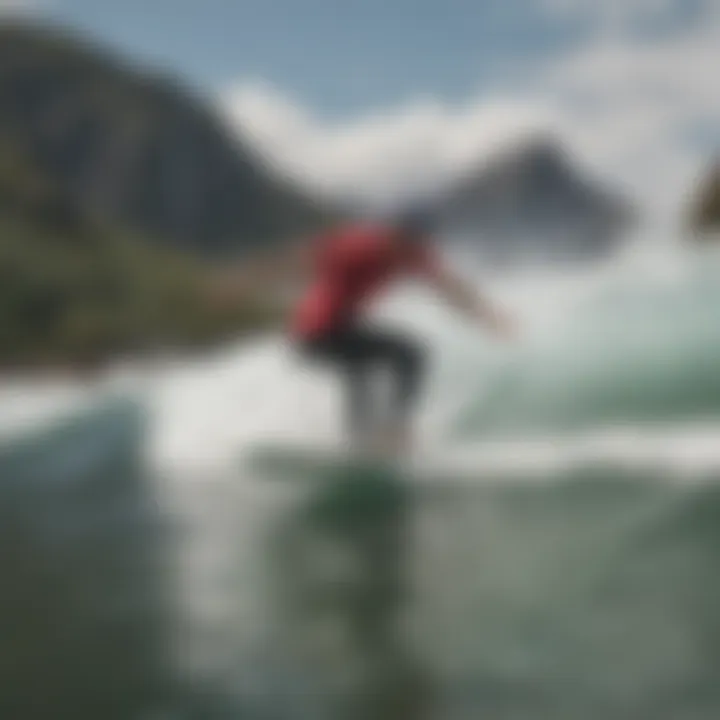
78	372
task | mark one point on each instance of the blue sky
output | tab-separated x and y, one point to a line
367	97
340	56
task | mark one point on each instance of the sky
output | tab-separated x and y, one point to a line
378	98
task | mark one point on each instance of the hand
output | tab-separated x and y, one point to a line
502	324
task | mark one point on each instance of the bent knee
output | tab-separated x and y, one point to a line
410	357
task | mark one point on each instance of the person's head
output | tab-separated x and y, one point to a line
415	224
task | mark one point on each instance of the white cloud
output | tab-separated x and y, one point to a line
641	102
412	148
623	106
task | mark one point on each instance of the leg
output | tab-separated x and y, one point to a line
406	361
358	400
357	351
350	356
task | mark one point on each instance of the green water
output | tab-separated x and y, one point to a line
595	596
635	352
583	593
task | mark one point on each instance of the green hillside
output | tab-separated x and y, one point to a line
75	291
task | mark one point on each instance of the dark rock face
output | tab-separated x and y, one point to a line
534	204
138	150
705	208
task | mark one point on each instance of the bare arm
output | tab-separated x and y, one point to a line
464	298
270	274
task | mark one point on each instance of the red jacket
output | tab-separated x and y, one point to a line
352	265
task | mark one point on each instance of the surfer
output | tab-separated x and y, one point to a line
345	268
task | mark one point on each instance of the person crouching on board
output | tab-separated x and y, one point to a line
343	269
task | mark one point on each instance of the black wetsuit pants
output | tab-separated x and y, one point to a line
358	352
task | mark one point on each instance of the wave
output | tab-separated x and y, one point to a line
639	350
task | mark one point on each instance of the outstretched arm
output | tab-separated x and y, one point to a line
463	297
274	273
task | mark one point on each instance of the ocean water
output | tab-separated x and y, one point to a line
555	556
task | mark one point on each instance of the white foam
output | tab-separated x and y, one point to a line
28	405
684	452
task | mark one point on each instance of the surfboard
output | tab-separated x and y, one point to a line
317	464
288	462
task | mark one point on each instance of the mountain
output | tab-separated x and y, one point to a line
533	204
705	208
138	150
76	291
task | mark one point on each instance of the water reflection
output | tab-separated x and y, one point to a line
340	591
